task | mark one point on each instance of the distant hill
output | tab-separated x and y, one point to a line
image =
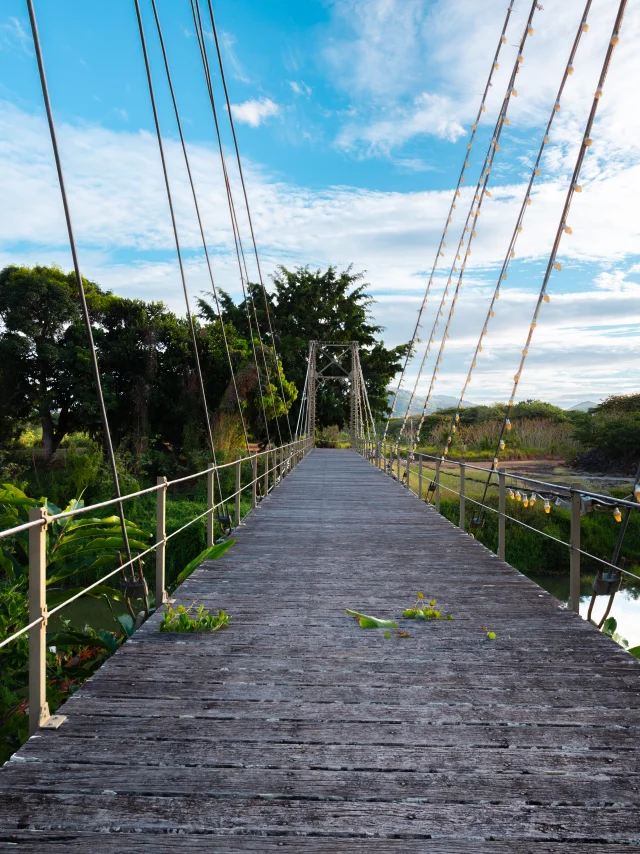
438	401
584	406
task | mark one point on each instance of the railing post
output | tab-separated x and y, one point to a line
502	515
238	485
463	503
265	476
408	469
161	540
398	461
38	706
211	522
574	570
420	477
437	499
254	484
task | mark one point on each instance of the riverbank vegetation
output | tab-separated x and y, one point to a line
605	439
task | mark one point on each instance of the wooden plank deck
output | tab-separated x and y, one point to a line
296	729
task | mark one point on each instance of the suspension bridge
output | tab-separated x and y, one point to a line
501	721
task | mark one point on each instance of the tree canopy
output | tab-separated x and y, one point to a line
146	362
328	306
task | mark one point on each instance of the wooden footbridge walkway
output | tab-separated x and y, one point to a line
297	730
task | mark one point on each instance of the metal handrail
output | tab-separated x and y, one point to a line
381	457
284	458
68	513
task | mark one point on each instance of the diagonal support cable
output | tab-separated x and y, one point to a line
95	368
248	208
552	263
470	225
198	216
248	303
456	194
535	172
174	226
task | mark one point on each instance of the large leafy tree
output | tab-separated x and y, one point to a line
147	367
45	368
328	306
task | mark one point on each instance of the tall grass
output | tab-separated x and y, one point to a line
528	437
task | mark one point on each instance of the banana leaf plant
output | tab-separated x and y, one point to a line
74	544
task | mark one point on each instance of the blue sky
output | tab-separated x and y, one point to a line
353	119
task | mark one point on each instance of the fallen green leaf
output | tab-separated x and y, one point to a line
367	622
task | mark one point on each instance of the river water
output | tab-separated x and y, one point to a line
626	605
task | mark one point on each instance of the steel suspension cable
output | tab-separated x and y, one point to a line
472	217
302	401
439	253
248	208
535	172
95	368
234	224
368	411
552	263
174	226
199	218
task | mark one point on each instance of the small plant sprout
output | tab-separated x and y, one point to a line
420	611
180	620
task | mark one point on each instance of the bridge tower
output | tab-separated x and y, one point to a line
344	360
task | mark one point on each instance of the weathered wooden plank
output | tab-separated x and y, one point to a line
299	687
33	842
614	737
435	787
131	751
358	710
349	819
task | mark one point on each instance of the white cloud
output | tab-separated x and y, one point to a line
122	224
14	36
300	88
228	42
429	114
255	112
398	52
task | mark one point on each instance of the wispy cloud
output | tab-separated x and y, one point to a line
13	36
228	42
300	88
255	112
428	115
395	59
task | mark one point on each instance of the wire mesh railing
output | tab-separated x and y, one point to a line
268	469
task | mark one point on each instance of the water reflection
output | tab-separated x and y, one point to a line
626	605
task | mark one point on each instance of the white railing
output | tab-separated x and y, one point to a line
576	499
276	463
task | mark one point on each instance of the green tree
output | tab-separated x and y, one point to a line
45	368
329	306
612	431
